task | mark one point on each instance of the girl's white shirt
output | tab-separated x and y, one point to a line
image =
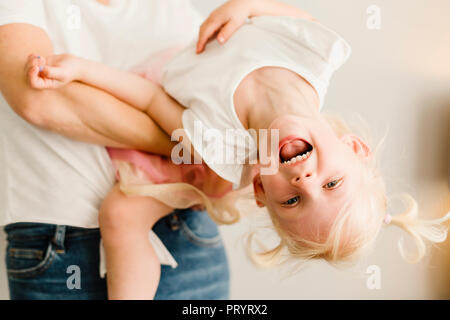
205	83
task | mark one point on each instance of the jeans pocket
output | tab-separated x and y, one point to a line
28	263
199	229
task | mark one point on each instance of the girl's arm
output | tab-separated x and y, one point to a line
59	70
229	17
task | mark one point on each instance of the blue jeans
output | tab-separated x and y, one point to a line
38	257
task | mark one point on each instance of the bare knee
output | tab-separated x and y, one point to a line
115	219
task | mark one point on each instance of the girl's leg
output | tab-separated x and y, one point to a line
133	267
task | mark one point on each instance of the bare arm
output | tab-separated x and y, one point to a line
76	111
133	89
126	86
225	20
58	71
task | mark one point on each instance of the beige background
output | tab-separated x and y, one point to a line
398	79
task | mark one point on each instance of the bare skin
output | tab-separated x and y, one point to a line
76	110
125	223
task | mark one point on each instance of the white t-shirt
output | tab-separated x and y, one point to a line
45	177
206	83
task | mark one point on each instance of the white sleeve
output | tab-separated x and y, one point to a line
23	11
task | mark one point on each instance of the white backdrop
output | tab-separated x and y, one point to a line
398	78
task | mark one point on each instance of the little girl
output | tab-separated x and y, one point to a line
326	199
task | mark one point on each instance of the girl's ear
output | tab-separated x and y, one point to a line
357	145
258	188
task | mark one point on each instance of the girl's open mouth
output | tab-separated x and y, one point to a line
293	150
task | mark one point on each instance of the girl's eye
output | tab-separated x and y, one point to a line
291	201
333	184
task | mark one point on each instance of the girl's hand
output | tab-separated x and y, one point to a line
52	72
223	22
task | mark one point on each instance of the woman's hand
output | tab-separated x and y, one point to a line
52	72
229	17
223	22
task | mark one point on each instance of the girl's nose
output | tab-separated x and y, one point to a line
300	178
305	185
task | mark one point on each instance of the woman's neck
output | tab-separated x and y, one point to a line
271	92
104	2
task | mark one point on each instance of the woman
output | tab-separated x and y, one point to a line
52	214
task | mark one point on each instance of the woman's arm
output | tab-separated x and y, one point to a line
76	111
225	20
59	70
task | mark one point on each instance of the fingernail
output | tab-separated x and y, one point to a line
38	57
221	39
41	68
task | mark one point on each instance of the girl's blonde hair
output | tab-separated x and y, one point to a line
357	224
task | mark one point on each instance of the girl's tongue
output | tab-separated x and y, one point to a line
292	149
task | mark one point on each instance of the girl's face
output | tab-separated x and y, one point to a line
306	195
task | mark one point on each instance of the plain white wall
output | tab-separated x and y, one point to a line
397	78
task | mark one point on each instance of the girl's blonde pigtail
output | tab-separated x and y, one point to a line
433	230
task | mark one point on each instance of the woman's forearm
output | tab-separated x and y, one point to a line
275	8
84	113
76	111
229	17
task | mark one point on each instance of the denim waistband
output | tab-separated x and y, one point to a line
59	233
36	231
